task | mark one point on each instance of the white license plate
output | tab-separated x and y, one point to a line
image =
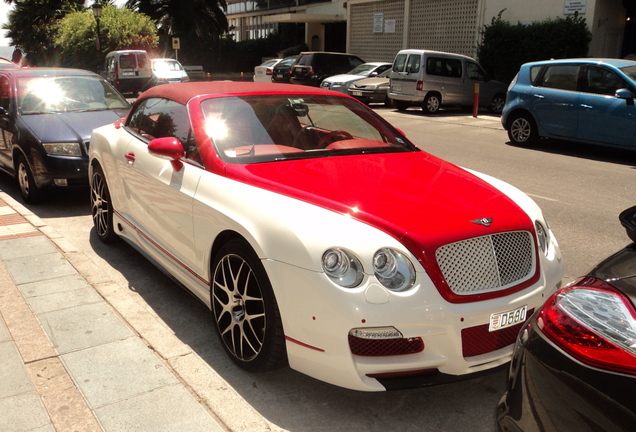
128	73
356	93
396	88
279	75
502	320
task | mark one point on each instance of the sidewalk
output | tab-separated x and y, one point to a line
69	362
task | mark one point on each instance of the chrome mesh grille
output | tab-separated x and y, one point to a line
487	263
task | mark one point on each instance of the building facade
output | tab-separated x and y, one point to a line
376	29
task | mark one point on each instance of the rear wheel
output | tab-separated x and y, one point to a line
244	308
522	129
497	103
31	193
400	105
431	103
101	206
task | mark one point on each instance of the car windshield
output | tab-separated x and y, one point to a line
251	129
363	69
166	65
44	95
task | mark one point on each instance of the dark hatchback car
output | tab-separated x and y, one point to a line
313	67
280	73
46	120
574	366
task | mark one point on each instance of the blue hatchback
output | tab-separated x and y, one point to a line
584	100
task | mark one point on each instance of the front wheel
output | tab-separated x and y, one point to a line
431	103
244	308
101	206
31	193
522	130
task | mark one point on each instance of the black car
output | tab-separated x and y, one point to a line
280	73
313	67
574	366
46	120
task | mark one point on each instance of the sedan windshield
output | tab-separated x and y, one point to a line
44	95
250	129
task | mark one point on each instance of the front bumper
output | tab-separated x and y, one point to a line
51	170
318	316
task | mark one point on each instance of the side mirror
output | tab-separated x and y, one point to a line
373	74
625	94
168	148
3	112
628	220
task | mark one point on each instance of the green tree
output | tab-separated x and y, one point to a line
198	23
120	28
31	27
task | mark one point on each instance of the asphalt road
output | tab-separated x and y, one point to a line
581	190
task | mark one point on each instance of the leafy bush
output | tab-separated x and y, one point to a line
505	47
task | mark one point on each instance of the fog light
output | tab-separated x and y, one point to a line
60	182
376	333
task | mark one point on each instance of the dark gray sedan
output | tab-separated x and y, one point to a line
46	120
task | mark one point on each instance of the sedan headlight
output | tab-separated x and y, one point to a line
63	149
342	267
543	234
393	269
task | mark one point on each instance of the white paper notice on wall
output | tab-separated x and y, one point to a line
378	22
570	7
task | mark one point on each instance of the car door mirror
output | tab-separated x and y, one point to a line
168	148
625	94
628	220
3	112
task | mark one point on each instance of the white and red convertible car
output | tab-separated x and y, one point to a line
319	236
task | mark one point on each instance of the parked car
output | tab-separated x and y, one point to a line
7	64
372	90
313	67
432	79
282	70
167	70
282	208
574	367
129	71
264	71
46	119
342	82
583	100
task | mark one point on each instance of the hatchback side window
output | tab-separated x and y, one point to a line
400	61
474	71
562	76
434	66
453	68
413	63
602	81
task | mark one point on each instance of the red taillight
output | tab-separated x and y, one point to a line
419	86
268	72
594	323
310	70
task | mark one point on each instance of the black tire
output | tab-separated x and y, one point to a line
431	103
400	105
31	193
497	103
101	206
244	309
388	102
522	130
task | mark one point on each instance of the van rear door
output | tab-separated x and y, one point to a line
407	66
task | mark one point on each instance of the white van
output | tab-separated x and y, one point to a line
432	79
129	71
167	70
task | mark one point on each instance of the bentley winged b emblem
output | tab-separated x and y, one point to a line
483	221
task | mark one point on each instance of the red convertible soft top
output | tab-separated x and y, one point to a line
183	92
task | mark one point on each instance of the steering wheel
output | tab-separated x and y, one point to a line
337	135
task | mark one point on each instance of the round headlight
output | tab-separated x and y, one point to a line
543	235
342	267
393	269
